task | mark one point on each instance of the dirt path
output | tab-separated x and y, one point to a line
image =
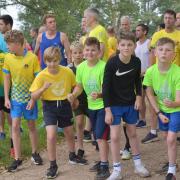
153	155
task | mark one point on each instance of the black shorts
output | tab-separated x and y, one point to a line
81	110
2	107
57	113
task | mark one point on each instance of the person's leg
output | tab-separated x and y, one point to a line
2	122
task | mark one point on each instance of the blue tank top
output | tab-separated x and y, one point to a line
45	43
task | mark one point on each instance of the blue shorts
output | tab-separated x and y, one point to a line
100	129
173	124
128	113
19	109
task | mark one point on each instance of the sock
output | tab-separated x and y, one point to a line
53	163
153	131
11	142
117	166
104	163
172	169
137	160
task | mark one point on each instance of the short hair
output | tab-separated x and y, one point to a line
52	53
126	36
126	18
14	36
76	45
94	11
34	29
171	12
162	25
46	16
110	29
7	19
165	40
144	27
90	41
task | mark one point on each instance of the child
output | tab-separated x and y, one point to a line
89	77
122	98
163	81
77	57
52	85
20	69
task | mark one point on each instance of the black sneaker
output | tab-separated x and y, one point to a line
74	159
36	159
52	172
14	166
80	153
103	173
150	138
170	176
96	167
141	124
87	136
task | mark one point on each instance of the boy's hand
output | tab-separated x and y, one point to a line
94	95
7	104
163	118
46	85
168	103
30	104
138	103
108	116
71	98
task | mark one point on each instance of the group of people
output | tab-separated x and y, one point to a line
101	79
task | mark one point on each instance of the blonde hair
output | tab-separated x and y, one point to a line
14	36
52	53
46	16
76	45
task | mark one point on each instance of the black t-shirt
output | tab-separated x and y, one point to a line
122	82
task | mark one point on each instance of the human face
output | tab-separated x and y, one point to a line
83	24
14	47
169	21
89	19
52	65
91	53
178	20
32	33
3	27
139	32
125	25
77	55
126	48
165	53
51	24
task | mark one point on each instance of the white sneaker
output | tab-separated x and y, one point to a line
141	171
126	155
115	175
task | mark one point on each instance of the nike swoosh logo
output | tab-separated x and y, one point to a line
122	73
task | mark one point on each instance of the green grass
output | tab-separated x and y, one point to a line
5	158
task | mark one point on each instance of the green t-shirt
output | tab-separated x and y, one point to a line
164	85
91	78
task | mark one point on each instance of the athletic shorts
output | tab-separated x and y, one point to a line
127	113
57	113
100	129
81	110
19	110
2	107
173	124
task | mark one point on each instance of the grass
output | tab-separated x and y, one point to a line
5	158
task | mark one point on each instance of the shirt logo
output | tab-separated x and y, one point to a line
26	66
122	73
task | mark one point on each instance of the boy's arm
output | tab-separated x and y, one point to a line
38	41
7	84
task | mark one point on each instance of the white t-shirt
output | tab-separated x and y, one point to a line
142	52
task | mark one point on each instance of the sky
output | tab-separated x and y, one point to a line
13	11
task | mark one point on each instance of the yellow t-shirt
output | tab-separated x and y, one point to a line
175	36
112	43
2	55
23	70
100	33
62	83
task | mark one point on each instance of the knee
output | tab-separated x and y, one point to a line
132	135
51	138
171	141
32	127
15	128
115	138
80	126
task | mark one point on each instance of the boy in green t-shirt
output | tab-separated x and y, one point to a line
163	80
89	76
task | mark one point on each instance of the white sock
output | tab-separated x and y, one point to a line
137	160
117	166
153	131
172	169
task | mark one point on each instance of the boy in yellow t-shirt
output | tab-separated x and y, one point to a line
52	85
